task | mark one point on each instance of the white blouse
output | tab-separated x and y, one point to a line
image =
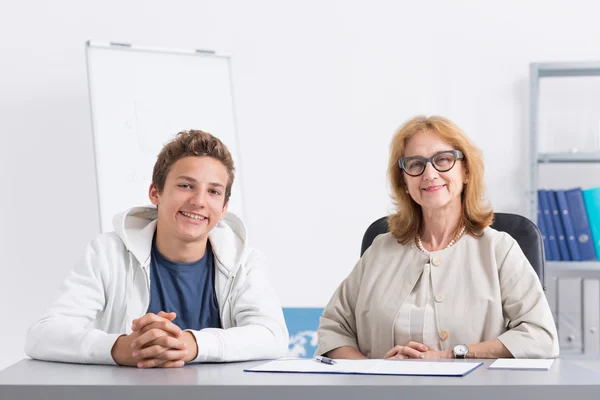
416	318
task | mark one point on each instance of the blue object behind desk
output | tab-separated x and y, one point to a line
302	324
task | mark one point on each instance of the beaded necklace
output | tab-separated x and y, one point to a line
452	242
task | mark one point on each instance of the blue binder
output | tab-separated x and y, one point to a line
567	223
559	228
581	225
591	197
542	227
552	242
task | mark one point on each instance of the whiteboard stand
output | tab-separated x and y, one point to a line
140	98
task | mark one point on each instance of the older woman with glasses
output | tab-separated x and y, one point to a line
442	283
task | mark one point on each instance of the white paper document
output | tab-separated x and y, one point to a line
369	367
522	363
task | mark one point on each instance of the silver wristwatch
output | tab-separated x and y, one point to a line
460	351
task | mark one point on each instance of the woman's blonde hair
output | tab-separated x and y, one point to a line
407	221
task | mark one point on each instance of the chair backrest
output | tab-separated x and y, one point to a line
525	232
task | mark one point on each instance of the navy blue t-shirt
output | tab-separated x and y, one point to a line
187	289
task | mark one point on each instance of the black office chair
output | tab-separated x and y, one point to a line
525	232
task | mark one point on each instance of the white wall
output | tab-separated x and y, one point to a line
320	87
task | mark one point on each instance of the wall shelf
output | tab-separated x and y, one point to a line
572	287
573	269
570	157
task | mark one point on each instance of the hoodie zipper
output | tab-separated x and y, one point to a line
227	298
147	276
131	276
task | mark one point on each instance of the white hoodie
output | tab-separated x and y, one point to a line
111	286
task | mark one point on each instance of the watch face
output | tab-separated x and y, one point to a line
460	350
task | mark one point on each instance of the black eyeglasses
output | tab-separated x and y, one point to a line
442	161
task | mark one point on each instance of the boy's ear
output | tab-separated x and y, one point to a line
225	207
153	194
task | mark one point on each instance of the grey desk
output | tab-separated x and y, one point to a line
28	379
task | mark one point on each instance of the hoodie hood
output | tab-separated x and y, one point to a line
137	225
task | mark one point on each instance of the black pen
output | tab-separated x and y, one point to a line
324	360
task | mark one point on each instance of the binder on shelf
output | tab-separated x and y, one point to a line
542	227
591	198
569	323
581	225
545	208
567	224
559	228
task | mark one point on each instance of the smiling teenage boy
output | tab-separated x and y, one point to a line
174	283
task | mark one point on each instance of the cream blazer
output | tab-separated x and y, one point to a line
484	288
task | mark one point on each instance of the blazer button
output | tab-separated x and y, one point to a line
440	298
436	261
444	334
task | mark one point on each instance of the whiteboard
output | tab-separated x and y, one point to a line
140	99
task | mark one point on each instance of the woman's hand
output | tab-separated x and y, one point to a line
411	350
